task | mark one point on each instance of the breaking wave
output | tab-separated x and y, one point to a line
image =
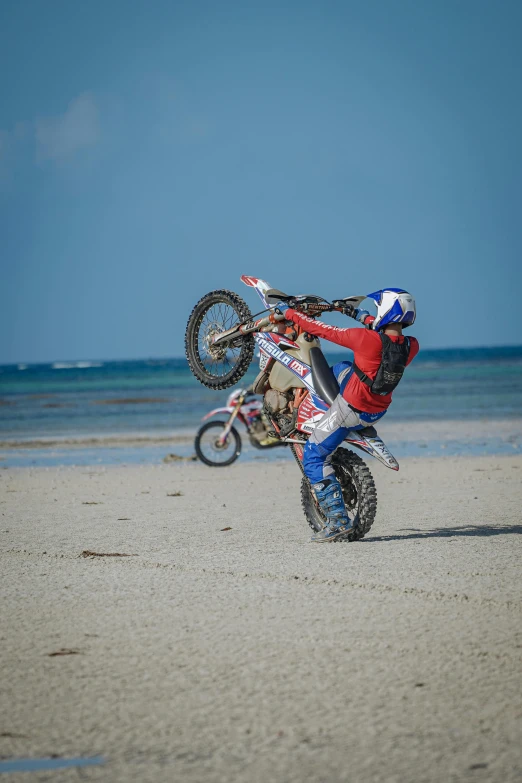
75	365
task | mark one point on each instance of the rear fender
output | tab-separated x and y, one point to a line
373	446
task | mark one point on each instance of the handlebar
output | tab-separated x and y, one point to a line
316	305
309	305
317	308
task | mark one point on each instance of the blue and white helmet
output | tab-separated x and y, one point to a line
394	306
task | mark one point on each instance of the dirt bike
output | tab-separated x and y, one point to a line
296	382
218	443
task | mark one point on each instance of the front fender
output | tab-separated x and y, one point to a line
217	411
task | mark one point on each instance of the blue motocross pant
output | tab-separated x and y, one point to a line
333	428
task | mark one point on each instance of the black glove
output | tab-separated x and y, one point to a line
347	309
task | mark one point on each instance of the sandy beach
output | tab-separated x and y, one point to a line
249	654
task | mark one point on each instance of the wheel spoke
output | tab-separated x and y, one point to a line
218	318
218	365
212	449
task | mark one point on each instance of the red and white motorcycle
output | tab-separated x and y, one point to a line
218	443
296	382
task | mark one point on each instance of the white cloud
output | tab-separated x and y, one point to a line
59	138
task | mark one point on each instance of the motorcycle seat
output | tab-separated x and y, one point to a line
368	432
324	380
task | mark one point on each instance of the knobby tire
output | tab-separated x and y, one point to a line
233	434
353	474
195	361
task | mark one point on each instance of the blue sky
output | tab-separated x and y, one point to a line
153	151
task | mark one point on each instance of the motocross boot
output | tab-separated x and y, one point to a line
330	498
269	441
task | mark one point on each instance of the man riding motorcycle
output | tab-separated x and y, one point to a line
381	353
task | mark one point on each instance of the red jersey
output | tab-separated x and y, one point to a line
367	349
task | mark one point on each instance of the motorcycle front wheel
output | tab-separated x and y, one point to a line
359	493
209	449
218	366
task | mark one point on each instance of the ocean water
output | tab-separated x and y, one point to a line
70	400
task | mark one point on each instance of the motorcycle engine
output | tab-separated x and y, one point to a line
275	401
276	406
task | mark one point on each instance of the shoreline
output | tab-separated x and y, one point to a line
432	438
400	430
90	441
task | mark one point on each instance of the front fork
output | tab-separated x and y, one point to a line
228	426
263	324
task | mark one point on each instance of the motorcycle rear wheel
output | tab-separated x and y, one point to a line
360	495
208	450
221	366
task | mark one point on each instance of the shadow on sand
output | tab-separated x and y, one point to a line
450	532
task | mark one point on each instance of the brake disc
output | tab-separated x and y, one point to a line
216	351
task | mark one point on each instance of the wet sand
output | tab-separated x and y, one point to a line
391	430
249	654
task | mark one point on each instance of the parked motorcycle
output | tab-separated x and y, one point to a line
218	443
296	382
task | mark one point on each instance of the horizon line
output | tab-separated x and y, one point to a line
171	358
